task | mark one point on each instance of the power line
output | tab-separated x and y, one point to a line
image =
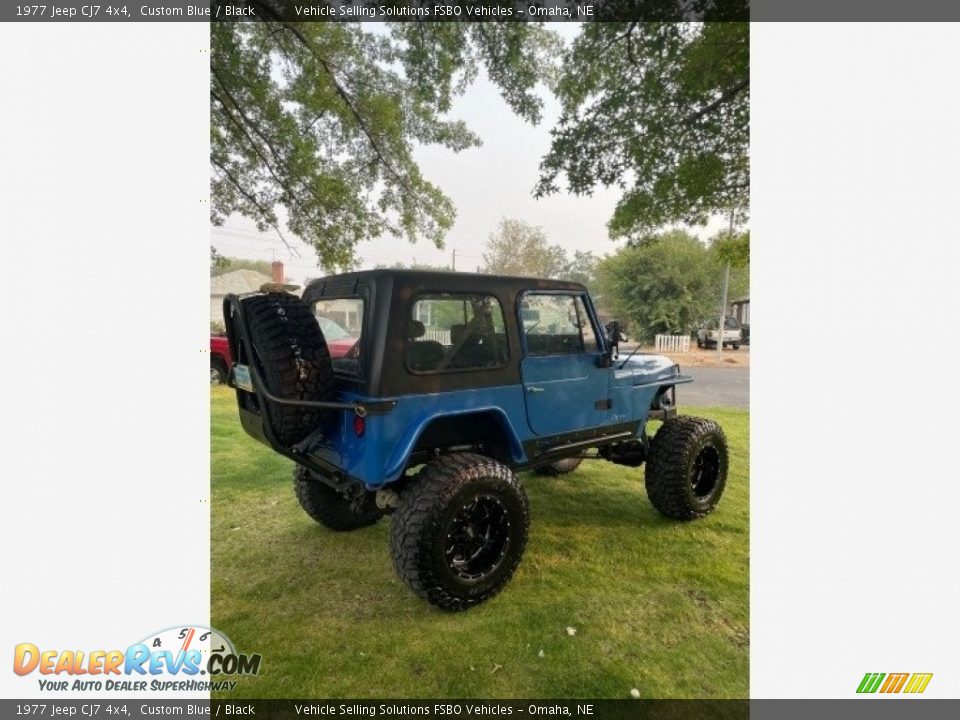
263	238
245	236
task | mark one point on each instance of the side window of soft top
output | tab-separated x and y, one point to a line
556	323
448	332
341	322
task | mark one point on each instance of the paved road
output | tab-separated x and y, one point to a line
712	387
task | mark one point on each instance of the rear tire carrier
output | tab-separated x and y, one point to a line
292	356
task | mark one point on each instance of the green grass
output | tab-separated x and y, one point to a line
658	605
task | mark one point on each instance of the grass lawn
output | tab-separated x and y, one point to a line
657	605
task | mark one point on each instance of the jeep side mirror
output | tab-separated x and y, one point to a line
613	339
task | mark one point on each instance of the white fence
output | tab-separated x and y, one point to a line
672	343
441	336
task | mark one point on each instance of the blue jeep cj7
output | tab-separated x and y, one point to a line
433	389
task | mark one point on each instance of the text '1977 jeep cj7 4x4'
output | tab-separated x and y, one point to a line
452	383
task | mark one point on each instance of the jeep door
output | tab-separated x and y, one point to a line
565	387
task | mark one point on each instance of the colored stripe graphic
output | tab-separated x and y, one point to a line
894	682
870	682
918	682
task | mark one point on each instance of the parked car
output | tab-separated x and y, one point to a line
708	335
340	344
455	382
220	359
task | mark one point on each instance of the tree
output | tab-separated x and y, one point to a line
519	248
733	249
660	110
414	266
217	261
665	284
225	264
313	124
581	268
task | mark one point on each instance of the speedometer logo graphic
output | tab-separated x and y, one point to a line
181	639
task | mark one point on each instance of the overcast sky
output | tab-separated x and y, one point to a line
486	184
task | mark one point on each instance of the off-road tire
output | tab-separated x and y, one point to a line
293	359
687	467
328	507
560	467
736	346
218	371
429	509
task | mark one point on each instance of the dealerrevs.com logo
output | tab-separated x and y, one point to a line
888	684
183	658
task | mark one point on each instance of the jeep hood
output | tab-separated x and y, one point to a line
645	369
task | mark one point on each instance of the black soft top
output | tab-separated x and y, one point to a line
388	298
437	280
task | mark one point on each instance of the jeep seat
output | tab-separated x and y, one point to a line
422	355
477	348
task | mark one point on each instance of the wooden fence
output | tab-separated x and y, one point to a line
441	336
672	343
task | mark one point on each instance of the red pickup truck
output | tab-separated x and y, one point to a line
339	342
220	359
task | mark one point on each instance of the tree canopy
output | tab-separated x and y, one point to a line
660	110
217	261
313	124
222	264
518	248
732	249
413	266
581	268
670	282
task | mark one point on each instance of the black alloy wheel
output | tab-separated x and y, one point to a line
706	472
478	538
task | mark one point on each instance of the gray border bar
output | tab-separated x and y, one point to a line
502	10
371	10
111	708
854	11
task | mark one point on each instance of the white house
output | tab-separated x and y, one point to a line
238	282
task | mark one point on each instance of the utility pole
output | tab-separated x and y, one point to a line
723	308
454	259
723	299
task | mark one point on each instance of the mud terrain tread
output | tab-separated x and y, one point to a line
424	498
667	470
294	361
327	507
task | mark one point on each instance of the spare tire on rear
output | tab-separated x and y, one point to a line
293	359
